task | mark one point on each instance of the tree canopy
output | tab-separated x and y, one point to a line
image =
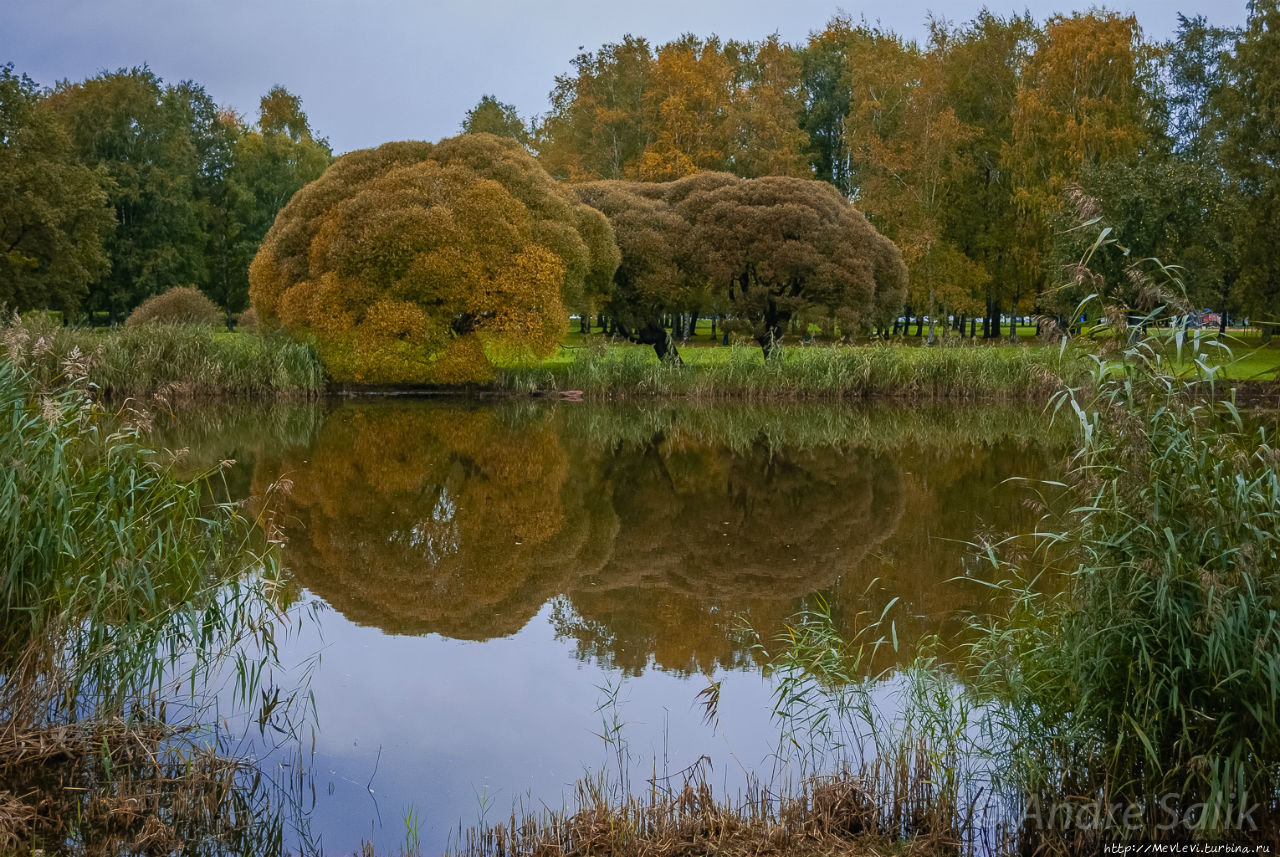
53	211
414	262
782	248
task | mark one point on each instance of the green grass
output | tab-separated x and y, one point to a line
175	362
823	372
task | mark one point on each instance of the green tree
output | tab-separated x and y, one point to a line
1168	209
53	210
136	133
270	163
981	68
414	262
1249	109
491	116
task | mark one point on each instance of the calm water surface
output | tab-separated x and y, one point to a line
487	578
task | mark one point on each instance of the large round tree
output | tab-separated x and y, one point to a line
783	248
770	250
417	263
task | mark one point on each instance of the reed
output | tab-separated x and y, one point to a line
810	372
175	362
122	593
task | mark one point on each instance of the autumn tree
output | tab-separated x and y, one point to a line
414	262
1084	98
596	126
782	248
911	159
657	275
1249	109
491	116
53	210
768	101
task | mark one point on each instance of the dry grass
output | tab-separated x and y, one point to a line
112	787
836	815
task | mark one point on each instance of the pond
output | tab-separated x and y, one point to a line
511	596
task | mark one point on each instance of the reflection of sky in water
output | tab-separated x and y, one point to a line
462	726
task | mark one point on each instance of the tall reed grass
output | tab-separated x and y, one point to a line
1151	678
820	372
122	592
174	361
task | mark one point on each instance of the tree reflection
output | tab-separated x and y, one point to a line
665	532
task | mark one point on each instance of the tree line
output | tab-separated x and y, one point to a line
976	152
121	186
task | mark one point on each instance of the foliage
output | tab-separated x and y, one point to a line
53	213
164	361
1167	208
412	262
269	163
491	116
136	132
1249	112
781	248
179	305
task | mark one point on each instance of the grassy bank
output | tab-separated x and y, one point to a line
174	362
818	372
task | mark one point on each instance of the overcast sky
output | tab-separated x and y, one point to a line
395	69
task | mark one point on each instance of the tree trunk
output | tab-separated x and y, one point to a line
1222	323
586	323
973	327
714	319
1013	328
919	325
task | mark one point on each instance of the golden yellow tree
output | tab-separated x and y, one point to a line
1082	99
417	263
688	109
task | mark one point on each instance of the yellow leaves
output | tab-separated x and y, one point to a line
406	270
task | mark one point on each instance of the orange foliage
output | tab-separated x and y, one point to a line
410	263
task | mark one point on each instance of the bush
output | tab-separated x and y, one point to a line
179	305
247	321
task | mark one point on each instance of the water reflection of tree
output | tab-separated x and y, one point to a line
663	534
711	538
423	519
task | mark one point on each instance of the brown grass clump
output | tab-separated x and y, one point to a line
179	305
828	816
110	787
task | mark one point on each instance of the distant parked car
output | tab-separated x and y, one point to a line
1210	319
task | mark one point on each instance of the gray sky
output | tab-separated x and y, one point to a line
394	69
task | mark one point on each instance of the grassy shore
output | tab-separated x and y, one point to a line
819	372
177	363
173	362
